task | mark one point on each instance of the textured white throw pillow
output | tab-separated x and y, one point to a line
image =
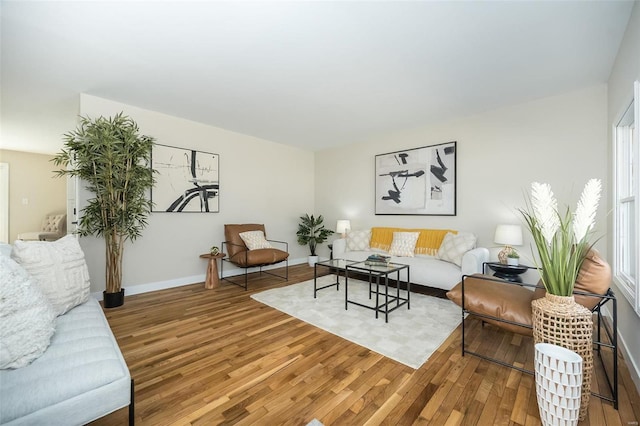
358	240
27	320
59	270
254	240
454	246
404	244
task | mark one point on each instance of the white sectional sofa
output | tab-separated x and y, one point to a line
78	373
425	270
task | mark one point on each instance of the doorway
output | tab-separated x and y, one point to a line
4	202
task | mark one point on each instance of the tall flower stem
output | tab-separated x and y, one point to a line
562	240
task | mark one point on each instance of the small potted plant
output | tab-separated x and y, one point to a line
312	232
513	258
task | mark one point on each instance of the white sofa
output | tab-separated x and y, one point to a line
424	270
80	377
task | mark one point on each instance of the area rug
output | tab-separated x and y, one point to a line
410	336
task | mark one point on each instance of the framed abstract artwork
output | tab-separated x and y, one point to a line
417	181
186	180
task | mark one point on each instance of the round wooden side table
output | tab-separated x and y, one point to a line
213	280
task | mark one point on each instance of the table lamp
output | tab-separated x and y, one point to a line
509	235
343	226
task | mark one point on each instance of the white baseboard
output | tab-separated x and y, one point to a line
634	370
159	285
178	282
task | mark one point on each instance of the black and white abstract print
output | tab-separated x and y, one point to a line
186	180
418	181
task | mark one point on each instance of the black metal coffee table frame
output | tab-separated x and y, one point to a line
339	265
391	301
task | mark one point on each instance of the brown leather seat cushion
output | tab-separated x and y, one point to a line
500	299
259	257
513	302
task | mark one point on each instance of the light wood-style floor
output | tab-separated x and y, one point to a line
208	357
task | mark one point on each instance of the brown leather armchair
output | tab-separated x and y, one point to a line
239	254
507	305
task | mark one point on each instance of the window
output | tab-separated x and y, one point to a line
627	197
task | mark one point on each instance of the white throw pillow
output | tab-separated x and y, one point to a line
454	246
404	244
254	240
358	240
59	270
27	320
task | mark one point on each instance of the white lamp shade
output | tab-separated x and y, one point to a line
343	226
510	235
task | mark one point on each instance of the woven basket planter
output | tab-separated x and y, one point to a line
561	321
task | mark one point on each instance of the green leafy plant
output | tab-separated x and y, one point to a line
513	254
562	240
311	231
113	160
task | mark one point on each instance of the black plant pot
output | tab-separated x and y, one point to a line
113	300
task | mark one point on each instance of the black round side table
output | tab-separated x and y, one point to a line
507	272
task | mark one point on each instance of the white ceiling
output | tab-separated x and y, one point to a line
309	74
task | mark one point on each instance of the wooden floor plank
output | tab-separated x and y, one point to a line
206	357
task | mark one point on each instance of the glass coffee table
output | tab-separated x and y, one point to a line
337	265
379	276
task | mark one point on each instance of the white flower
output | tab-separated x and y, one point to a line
585	215
545	210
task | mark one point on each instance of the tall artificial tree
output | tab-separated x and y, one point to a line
113	160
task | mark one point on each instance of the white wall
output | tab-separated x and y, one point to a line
38	129
559	140
625	70
260	181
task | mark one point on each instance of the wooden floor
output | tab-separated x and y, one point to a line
208	357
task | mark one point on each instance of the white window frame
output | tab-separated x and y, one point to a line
629	285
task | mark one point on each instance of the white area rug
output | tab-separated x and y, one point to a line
410	336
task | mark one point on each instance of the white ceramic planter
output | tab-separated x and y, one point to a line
558	384
313	260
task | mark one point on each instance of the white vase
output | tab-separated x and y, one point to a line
512	261
558	384
313	260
